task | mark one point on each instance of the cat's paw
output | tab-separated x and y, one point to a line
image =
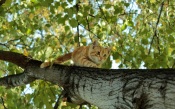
45	64
93	65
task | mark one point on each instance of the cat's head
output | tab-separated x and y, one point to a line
97	53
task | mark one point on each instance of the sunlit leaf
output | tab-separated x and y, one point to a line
48	52
7	3
152	1
35	1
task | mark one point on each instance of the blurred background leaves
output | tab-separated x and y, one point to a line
140	32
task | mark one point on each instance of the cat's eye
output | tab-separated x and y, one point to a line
98	53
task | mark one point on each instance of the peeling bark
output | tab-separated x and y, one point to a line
107	89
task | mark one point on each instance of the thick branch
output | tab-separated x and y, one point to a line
105	88
15	58
16	80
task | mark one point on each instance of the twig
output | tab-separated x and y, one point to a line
102	11
78	31
61	43
88	28
12	40
3	103
58	100
158	43
4	45
155	31
57	103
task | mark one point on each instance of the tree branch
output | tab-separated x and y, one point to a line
16	80
88	28
78	31
3	103
59	99
15	58
5	45
155	31
82	84
102	11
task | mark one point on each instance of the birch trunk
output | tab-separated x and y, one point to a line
114	89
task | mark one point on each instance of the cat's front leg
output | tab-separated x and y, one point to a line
45	64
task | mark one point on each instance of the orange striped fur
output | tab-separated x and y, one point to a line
92	55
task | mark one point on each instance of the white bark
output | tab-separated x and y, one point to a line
107	89
115	89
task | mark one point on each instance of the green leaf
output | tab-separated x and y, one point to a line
118	9
108	6
76	39
64	4
144	41
126	4
171	38
116	55
61	20
2	13
169	30
130	23
46	2
152	1
35	1
148	59
107	64
73	22
69	12
124	26
70	1
67	28
172	45
173	52
48	25
7	3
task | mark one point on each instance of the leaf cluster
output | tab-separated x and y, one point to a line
141	34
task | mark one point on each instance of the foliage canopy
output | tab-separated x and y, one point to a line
140	32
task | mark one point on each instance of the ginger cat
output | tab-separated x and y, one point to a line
92	55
